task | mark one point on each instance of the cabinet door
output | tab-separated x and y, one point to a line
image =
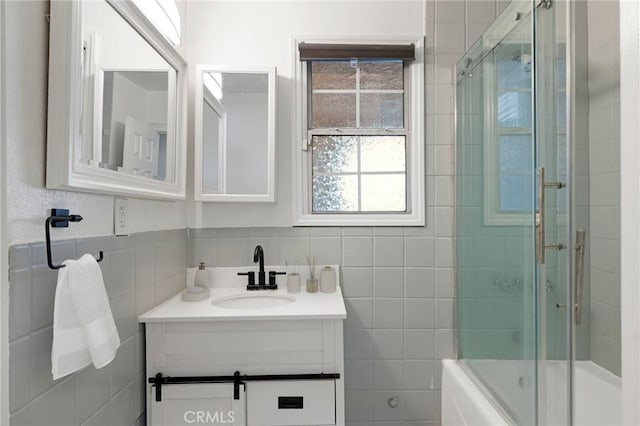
206	403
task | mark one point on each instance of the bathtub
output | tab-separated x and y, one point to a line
465	401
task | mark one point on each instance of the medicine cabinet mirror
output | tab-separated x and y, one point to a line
116	103
235	134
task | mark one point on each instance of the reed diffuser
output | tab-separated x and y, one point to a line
312	281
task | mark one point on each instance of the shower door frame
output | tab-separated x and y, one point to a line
630	208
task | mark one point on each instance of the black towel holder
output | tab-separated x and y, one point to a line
60	218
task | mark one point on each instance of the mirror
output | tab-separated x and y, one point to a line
235	135
132	133
125	101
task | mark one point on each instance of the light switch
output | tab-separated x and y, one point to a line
121	216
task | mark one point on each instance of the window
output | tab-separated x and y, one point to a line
164	14
361	158
509	191
514	135
358	136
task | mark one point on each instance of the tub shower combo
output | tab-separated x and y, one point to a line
538	282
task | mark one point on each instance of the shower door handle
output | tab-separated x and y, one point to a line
581	236
541	245
540	218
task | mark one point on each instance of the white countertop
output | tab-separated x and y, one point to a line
306	305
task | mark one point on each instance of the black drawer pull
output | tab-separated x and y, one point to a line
290	402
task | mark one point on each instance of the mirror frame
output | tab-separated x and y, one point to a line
64	140
199	194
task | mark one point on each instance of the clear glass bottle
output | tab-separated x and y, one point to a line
312	284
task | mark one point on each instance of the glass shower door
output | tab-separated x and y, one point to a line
495	217
515	228
555	246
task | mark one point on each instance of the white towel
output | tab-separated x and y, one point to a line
83	327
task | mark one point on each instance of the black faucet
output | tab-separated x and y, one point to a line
258	256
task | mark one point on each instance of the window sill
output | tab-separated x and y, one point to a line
360	220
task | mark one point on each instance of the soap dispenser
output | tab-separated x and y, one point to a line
200	288
201	279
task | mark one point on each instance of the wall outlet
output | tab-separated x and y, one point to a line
121	216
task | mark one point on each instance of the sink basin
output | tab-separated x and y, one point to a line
252	301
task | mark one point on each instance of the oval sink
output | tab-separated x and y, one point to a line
252	301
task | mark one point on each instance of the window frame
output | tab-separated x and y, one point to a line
362	131
414	117
493	215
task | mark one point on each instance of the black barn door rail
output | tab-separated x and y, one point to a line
237	379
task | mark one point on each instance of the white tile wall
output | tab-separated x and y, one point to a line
420	313
389	251
139	271
389	282
604	178
95	394
357	251
359	374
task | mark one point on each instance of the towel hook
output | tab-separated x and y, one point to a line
60	218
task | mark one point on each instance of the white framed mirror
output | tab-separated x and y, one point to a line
235	134
117	109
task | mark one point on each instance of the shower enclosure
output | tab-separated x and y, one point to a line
526	176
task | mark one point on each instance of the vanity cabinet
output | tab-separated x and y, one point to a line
253	347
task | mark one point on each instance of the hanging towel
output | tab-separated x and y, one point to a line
83	327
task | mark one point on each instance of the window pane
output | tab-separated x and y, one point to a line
333	110
381	110
515	163
335	154
562	109
359	157
332	75
515	153
383	193
516	193
335	193
381	75
514	72
382	153
514	109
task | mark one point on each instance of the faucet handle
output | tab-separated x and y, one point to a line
272	277
251	277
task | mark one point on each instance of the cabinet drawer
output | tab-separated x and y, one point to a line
281	403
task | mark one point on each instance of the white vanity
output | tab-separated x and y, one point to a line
287	350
